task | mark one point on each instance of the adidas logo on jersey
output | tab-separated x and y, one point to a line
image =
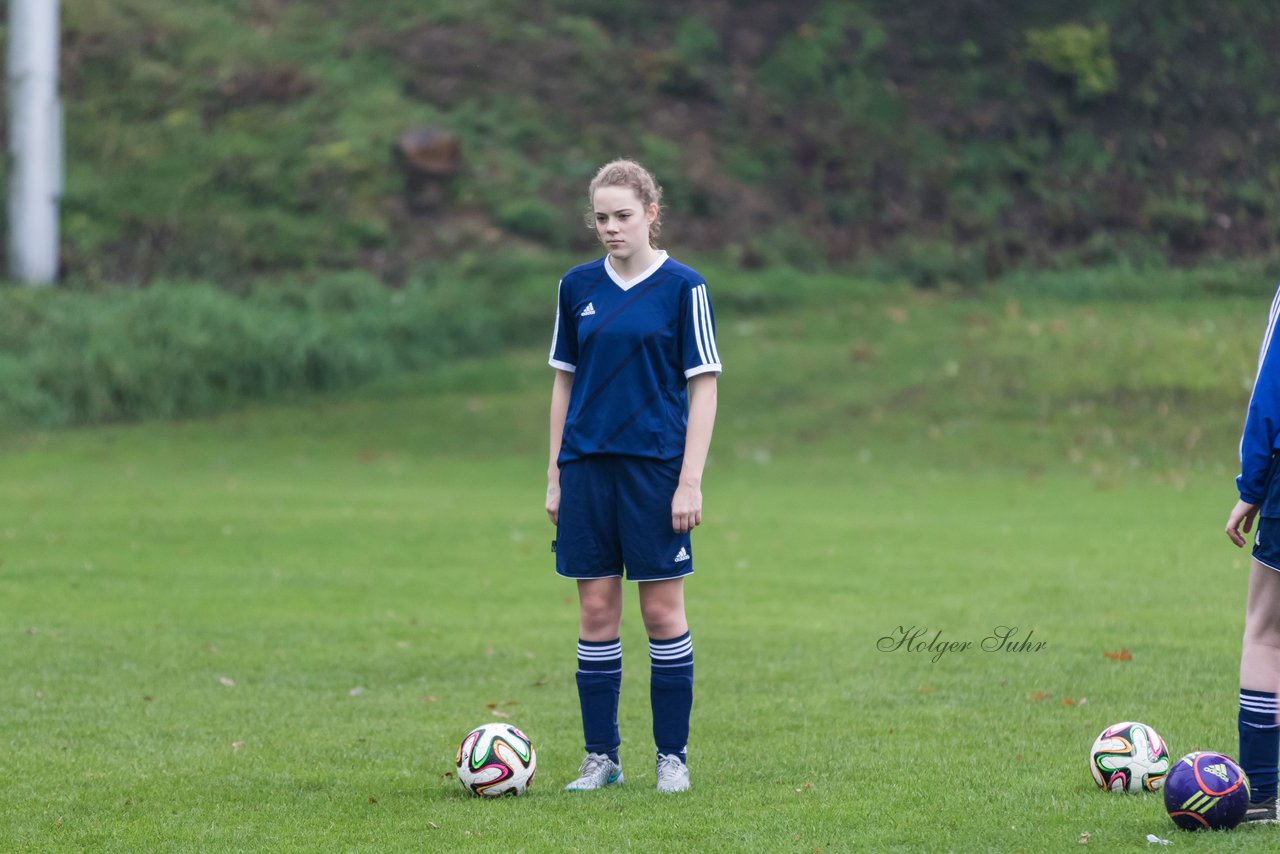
588	311
684	555
1218	770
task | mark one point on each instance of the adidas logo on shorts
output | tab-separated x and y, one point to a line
683	555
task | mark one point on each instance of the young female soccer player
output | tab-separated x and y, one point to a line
633	405
1259	488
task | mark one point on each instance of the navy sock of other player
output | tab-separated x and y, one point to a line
599	680
671	692
1259	742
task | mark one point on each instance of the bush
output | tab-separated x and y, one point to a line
929	262
1182	221
1079	54
177	350
534	219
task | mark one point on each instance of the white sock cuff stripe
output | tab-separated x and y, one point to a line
668	650
1252	705
600	653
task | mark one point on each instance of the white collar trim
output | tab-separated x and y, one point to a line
627	285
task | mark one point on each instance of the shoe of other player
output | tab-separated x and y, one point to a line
1262	811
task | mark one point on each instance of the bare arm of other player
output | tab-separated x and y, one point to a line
560	389
1243	512
686	505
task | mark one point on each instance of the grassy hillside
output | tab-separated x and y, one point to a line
237	139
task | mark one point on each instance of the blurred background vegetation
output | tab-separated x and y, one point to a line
246	151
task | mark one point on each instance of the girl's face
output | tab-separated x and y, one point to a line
622	221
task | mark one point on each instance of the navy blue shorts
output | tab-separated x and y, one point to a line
1266	542
615	513
1266	535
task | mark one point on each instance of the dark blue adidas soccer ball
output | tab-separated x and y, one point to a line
1206	791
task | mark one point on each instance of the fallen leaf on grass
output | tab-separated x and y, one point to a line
806	787
862	352
227	680
236	745
498	713
1084	838
433	825
1038	696
372	800
488	650
1121	655
356	691
430	698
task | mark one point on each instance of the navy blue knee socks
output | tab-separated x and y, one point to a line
1259	742
671	692
599	678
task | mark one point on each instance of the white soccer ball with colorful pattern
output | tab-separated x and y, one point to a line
1129	757
496	759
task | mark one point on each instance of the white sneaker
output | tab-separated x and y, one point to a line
597	771
673	775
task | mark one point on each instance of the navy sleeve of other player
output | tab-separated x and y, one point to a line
698	332
564	341
1262	423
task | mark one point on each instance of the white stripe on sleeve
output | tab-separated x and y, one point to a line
709	331
695	308
555	332
1271	328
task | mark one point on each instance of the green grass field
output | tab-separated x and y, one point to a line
269	630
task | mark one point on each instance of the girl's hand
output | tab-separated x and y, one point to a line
1242	512
553	499
686	509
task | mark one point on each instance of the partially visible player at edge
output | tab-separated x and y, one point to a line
1259	488
633	406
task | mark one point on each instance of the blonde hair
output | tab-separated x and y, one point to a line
633	176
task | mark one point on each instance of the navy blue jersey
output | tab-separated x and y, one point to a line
1262	423
632	347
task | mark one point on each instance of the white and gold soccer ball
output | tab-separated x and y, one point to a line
496	759
1129	757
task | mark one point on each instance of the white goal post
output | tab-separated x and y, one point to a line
35	141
